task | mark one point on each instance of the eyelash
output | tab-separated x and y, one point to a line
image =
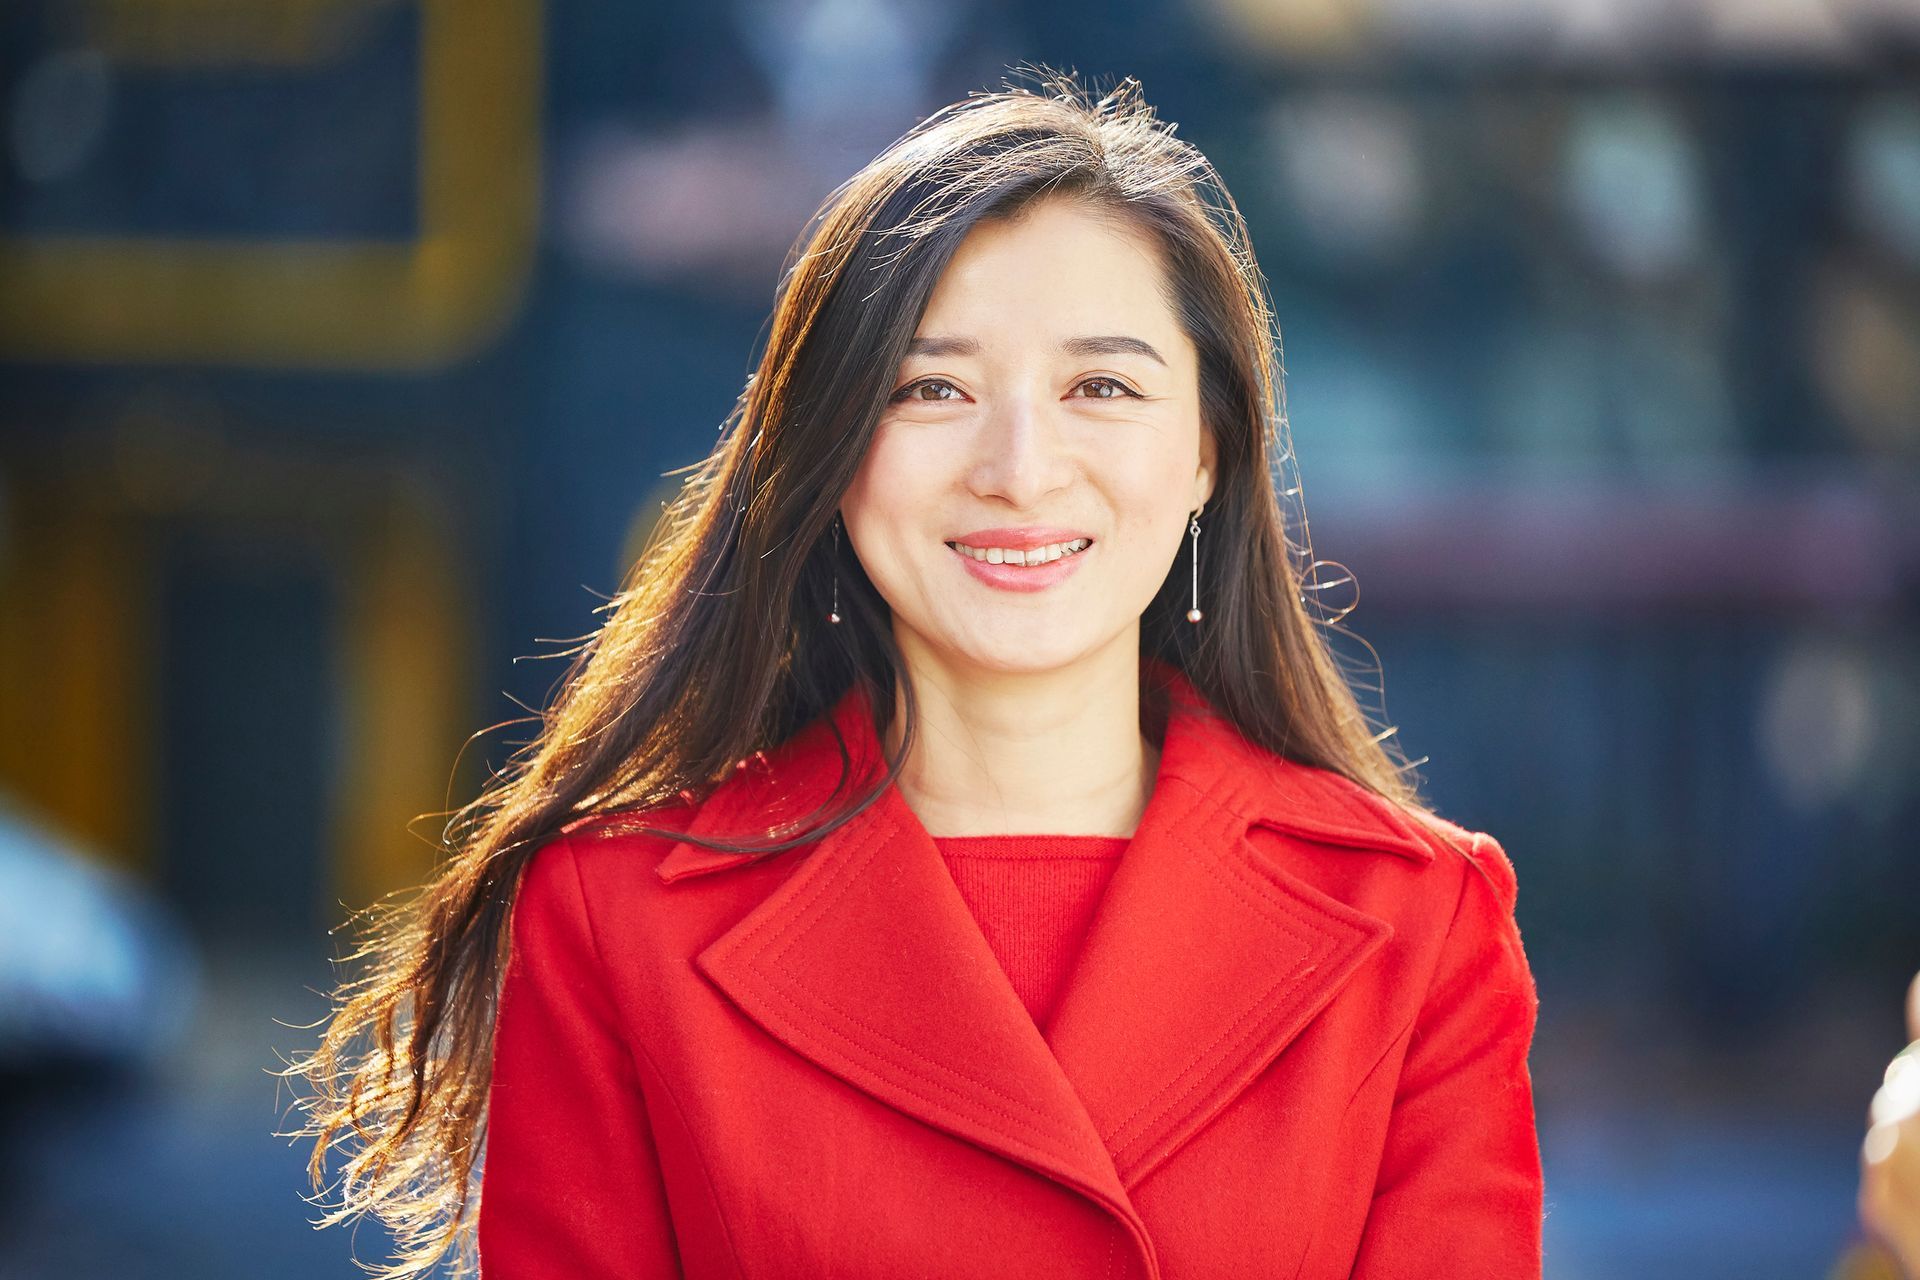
1125	391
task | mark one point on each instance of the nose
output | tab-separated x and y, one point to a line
1022	455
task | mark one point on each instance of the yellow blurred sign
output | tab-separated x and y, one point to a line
314	302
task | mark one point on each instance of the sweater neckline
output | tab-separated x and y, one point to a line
1040	845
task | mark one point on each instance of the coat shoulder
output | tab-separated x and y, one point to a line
624	841
1325	805
1477	852
1369	817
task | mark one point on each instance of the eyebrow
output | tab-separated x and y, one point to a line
1104	345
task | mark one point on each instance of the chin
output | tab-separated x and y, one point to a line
1023	660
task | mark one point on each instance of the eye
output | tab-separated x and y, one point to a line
1117	389
1110	389
909	391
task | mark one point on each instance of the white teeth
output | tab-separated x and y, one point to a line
1009	555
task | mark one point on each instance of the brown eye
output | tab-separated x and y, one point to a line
912	390
1117	389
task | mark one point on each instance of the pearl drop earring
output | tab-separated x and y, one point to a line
833	614
1193	527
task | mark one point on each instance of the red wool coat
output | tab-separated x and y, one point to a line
1295	1045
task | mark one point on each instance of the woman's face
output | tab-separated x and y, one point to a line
1050	398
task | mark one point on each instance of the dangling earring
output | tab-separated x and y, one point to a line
833	614
1193	527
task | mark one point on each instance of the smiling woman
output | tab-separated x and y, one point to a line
1044	337
959	853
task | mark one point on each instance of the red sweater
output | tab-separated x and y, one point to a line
1034	897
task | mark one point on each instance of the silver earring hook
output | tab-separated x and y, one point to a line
1193	527
833	614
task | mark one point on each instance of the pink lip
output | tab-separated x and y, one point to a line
1023	538
1017	577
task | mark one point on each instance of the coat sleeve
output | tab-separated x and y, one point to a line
1460	1177
571	1184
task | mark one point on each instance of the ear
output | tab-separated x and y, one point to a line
1203	476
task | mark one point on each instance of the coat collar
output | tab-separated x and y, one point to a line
1206	958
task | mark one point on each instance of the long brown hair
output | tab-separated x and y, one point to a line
717	645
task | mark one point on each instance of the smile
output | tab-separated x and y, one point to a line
1033	556
1013	569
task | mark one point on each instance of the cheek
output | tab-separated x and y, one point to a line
885	506
904	471
1149	497
874	483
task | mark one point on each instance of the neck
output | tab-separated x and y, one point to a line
1006	753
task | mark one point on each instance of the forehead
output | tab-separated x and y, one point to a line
1057	264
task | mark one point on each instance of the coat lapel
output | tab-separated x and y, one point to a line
1206	958
867	961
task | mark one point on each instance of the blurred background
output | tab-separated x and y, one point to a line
345	346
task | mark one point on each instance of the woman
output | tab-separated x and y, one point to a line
958	853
